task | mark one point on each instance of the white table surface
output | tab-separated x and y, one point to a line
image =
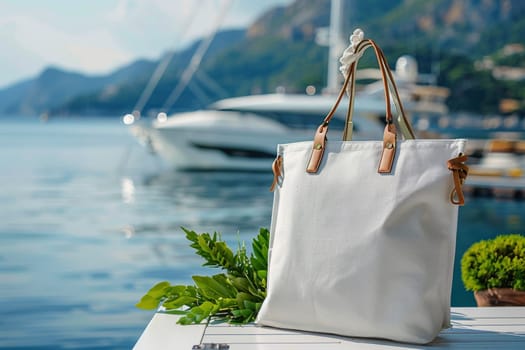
472	328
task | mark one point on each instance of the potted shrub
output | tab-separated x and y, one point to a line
494	270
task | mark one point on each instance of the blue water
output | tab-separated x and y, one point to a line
89	221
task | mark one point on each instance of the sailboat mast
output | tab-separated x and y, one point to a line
336	45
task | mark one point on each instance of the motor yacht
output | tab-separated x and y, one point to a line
242	133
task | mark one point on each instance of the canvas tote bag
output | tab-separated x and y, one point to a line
363	232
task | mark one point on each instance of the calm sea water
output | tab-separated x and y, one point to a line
89	221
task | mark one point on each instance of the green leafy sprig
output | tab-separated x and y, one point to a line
234	296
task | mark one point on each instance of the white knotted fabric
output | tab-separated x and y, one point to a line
349	54
359	252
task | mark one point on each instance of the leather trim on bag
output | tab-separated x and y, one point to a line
389	150
276	168
317	149
459	172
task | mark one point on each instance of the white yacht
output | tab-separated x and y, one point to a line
241	136
242	133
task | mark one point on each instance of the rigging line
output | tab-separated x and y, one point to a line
199	92
211	84
196	59
164	63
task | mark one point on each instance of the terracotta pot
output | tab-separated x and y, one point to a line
500	297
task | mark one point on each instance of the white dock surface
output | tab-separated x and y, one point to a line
472	328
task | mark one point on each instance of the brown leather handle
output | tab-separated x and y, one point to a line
390	134
389	85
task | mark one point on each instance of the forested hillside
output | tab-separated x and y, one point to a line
474	47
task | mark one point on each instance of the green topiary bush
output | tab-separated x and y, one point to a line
495	263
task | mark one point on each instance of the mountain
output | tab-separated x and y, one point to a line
449	38
300	19
60	91
122	97
468	26
54	86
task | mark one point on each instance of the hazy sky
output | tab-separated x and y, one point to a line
96	36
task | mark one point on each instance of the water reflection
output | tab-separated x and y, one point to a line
128	190
234	204
483	218
209	201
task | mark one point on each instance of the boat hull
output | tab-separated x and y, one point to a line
199	145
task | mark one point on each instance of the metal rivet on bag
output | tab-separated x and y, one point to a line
318	146
389	145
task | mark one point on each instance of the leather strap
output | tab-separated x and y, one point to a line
388	85
276	167
350	91
459	172
389	141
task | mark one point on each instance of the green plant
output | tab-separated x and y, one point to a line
235	296
495	263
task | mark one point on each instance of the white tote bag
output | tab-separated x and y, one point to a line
363	232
